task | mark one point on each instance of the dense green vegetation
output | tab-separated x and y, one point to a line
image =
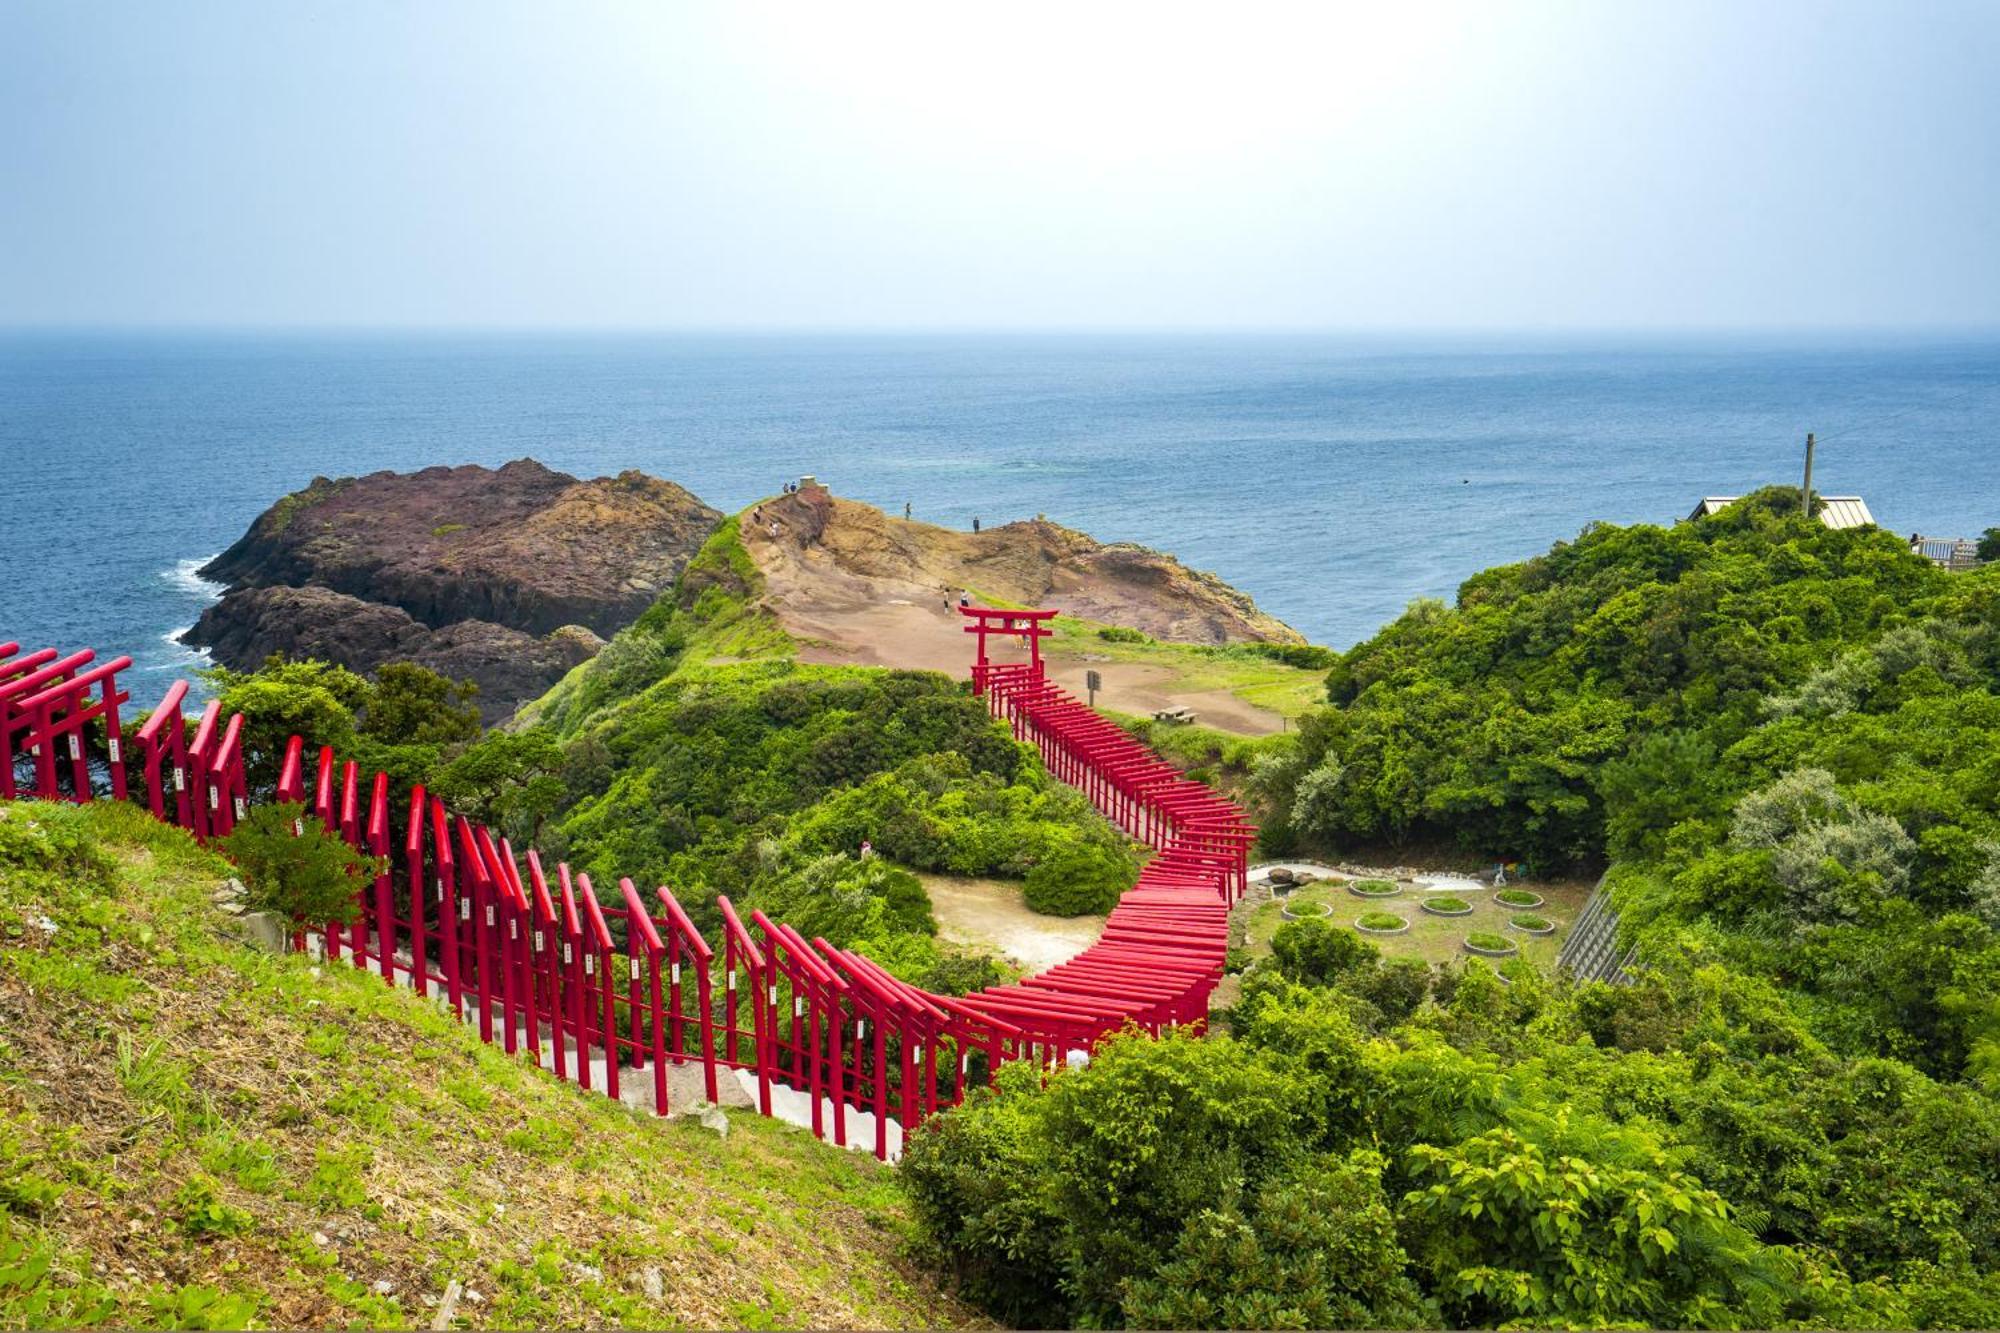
1784	741
1490	724
194	1134
1683	1154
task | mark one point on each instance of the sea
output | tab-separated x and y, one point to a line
1333	477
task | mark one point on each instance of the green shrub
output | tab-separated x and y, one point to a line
1396	987
1049	1204
307	877
1306	656
1077	879
1316	952
1313	1249
1596	1226
1120	634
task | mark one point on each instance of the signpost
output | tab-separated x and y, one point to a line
1094	683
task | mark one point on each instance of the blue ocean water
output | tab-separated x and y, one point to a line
1334	478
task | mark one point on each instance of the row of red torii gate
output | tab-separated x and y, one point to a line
616	989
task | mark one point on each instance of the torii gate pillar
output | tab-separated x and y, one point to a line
1029	625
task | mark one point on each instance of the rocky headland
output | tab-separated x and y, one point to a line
845	551
507	577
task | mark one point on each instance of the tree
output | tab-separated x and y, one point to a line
1829	853
413	705
283	699
510	780
1989	544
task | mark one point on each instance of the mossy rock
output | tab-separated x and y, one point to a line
1517	898
1381	923
1447	906
1301	911
1530	924
1488	945
1374	888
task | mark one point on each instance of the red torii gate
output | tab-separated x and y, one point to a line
987	620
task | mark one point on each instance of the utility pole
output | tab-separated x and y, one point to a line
1809	453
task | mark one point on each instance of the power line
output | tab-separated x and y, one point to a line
1851	429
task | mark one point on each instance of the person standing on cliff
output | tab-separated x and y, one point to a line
906	511
975	523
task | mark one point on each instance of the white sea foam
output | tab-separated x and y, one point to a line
187	657
185	576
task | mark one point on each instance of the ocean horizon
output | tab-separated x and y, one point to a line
1334	477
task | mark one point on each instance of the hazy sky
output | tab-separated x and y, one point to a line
947	164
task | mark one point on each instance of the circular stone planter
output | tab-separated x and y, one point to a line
1529	924
1485	948
1447	907
1306	912
1518	899
1362	924
1367	888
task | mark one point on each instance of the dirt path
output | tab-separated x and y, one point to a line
900	633
989	914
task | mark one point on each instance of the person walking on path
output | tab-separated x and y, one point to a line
975	522
906	511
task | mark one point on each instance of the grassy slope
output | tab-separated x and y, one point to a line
191	1131
1191	667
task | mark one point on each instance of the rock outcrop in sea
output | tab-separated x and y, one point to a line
508	577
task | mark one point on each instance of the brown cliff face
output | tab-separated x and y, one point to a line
468	570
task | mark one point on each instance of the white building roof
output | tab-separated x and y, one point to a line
1836	511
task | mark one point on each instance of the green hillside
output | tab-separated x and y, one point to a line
198	1134
1785	742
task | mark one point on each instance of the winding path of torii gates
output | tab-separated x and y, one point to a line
603	985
